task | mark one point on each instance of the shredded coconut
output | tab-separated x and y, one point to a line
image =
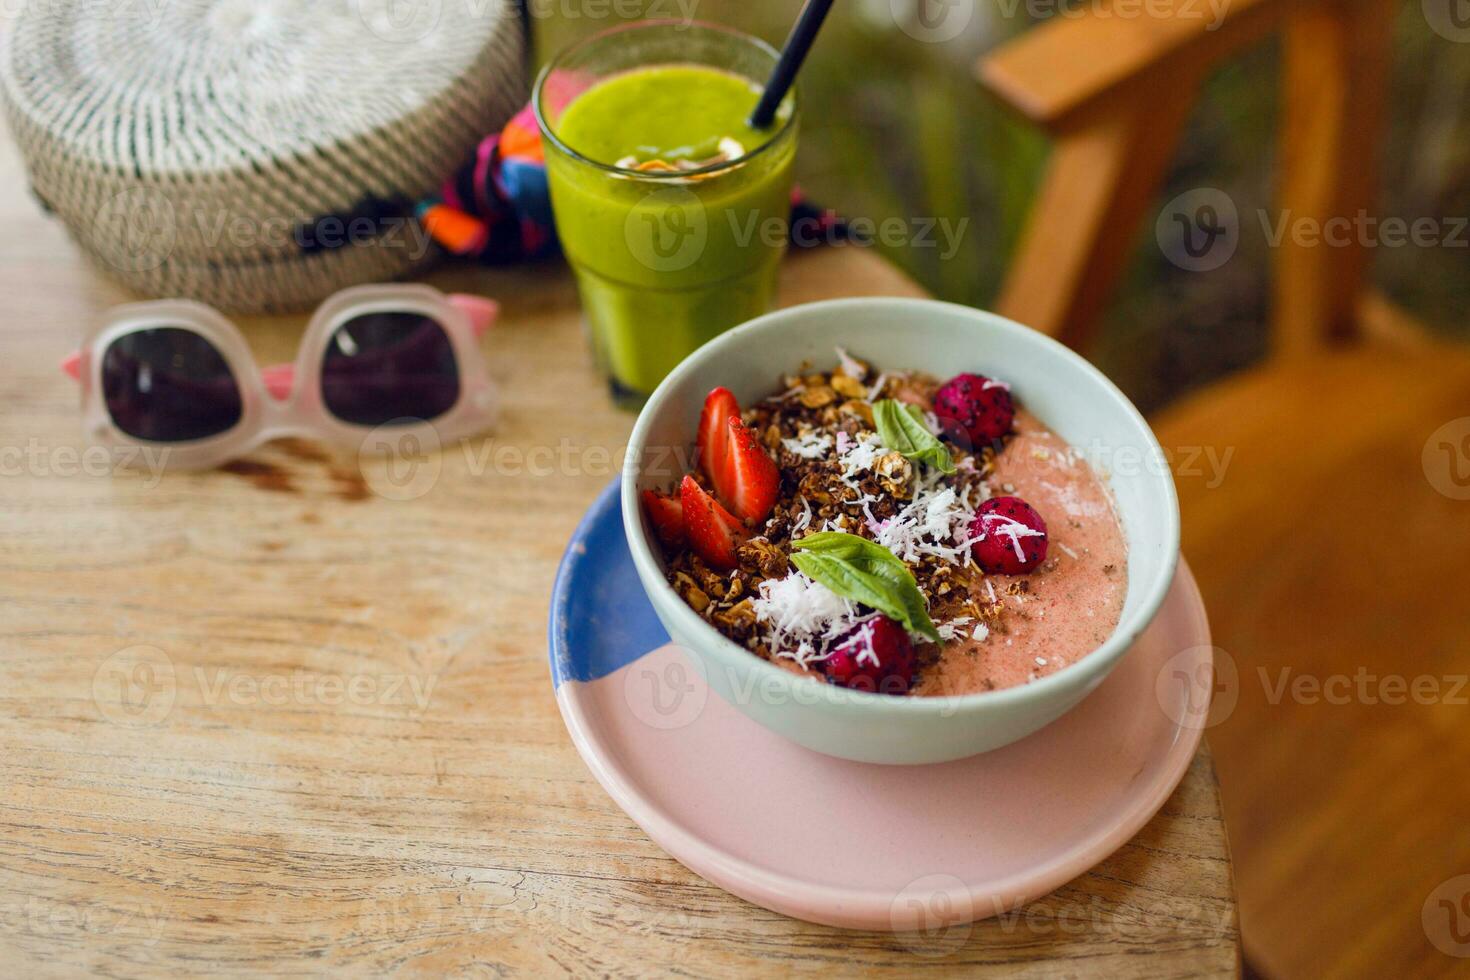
808	444
865	640
850	365
946	631
952	629
803	616
936	521
860	455
805	520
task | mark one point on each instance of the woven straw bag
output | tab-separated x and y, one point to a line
255	154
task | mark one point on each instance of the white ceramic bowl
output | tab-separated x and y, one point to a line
1069	395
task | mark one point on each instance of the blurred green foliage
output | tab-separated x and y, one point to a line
897	126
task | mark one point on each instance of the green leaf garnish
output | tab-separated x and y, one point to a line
901	428
868	573
850	582
848	547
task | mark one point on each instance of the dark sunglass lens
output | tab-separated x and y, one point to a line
169	384
386	367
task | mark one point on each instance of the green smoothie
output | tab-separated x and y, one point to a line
677	236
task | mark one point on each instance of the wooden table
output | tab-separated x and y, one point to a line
279	719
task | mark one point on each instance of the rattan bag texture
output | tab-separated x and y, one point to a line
255	154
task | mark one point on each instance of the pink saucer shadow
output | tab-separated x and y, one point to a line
897	848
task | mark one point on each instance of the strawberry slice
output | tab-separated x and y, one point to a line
714	439
713	531
755	480
666	513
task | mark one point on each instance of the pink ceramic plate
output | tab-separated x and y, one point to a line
850	844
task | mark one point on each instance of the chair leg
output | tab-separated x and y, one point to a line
1103	173
1334	86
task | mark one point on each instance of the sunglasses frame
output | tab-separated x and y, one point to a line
286	400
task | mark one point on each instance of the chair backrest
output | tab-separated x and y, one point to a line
1114	88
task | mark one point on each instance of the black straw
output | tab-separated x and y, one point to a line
797	45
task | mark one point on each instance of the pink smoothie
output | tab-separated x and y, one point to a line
1073	602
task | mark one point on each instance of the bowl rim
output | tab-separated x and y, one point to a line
1097	662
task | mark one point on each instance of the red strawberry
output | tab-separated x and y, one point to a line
666	513
874	656
1012	536
714	440
974	410
713	531
755	480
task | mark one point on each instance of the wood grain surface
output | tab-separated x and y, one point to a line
1329	538
295	716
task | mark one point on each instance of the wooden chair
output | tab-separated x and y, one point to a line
1335	548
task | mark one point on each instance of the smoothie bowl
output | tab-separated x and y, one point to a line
898	531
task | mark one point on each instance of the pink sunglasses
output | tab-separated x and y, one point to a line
177	374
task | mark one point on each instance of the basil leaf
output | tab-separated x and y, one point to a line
916	611
849	547
865	572
902	429
853	583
